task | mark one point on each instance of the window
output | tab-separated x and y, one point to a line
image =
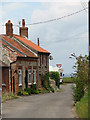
34	76
20	77
29	76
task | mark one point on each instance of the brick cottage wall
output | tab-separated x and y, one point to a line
23	64
5	78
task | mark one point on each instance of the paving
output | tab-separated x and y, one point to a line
50	105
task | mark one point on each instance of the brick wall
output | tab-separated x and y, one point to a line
5	79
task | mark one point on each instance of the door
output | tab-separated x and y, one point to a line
26	79
13	84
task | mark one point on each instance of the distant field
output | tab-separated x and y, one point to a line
68	80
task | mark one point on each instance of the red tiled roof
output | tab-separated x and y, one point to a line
31	44
18	46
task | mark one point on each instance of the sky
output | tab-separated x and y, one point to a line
61	37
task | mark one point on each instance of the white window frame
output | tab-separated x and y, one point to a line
34	76
29	73
20	77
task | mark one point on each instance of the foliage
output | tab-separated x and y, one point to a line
80	76
29	90
52	89
8	96
44	90
33	86
46	84
45	81
68	80
82	107
21	92
55	76
25	93
34	91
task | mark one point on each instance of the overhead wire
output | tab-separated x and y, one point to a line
47	21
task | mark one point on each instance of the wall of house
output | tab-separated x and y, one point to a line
43	65
24	65
5	79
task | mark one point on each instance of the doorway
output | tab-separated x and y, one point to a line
26	79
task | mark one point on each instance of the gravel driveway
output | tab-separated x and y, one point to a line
50	105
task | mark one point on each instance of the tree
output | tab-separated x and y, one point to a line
80	75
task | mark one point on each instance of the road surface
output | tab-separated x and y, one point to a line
50	105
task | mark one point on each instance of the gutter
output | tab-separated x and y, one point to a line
11	73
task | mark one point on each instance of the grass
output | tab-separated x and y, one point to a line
68	80
82	107
8	96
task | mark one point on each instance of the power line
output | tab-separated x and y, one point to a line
59	18
55	18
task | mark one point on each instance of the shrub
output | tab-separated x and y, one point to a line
29	90
25	93
55	76
80	76
33	86
34	91
45	82
82	106
52	90
19	93
40	90
45	90
78	90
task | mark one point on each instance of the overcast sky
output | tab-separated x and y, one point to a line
61	37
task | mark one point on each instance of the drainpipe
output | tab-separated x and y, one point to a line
11	73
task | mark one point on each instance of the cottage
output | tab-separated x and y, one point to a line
27	61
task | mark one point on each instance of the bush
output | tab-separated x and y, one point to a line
78	90
82	106
19	93
33	86
25	93
40	90
52	90
29	90
34	91
44	90
55	76
45	81
80	76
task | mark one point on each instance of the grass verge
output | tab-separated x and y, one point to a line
8	96
82	107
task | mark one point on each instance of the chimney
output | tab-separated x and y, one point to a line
9	29
38	41
23	30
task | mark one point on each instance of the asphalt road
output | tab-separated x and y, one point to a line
51	105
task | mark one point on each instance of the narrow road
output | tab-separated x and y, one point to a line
51	105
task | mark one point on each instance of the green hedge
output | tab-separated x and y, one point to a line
55	76
82	107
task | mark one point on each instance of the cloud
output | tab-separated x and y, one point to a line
61	37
